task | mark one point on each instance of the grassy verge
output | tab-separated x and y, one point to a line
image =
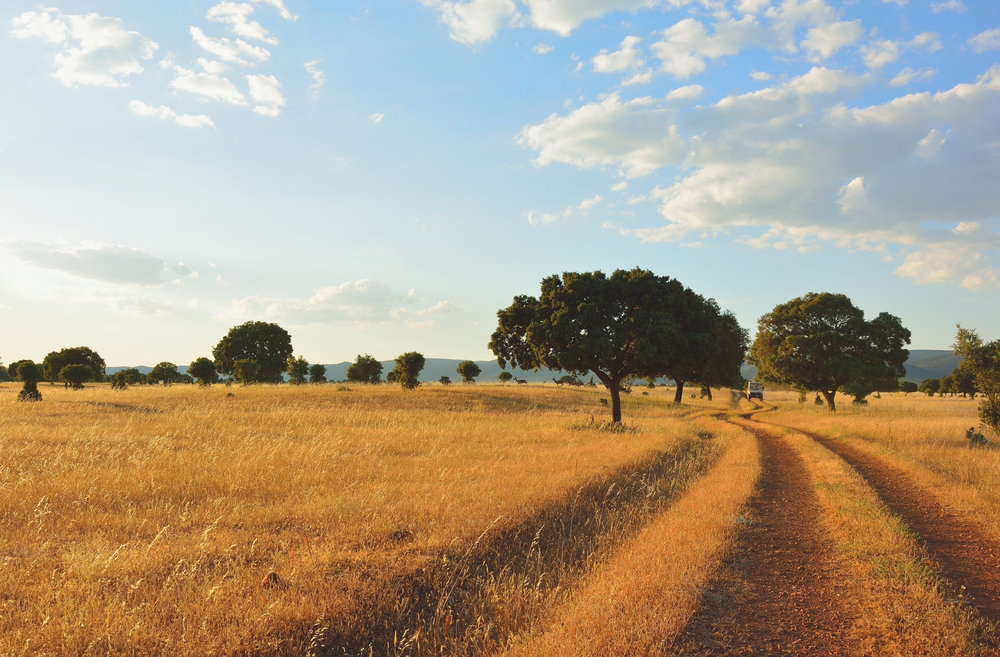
641	599
904	608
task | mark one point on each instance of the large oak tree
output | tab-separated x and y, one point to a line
822	342
629	324
267	344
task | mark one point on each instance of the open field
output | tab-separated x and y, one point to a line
469	520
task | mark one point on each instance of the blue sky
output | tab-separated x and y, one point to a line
382	177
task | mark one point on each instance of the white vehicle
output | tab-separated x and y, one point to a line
755	389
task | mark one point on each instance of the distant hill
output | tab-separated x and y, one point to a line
922	364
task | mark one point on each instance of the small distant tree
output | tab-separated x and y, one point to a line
445	380
408	367
946	385
365	369
963	381
468	370
4	374
165	372
906	387
31	373
317	373
12	369
132	376
76	374
505	376
55	361
392	377
929	386
202	369
119	381
298	370
246	371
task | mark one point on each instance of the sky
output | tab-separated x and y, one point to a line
382	177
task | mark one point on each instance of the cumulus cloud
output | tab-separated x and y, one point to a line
908	75
686	92
684	46
795	160
237	15
440	308
264	89
365	302
949	5
633	135
164	113
228	50
473	21
564	16
97	50
988	40
280	6
542	49
108	263
826	40
621	60
209	85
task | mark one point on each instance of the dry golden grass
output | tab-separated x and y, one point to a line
641	600
925	436
148	521
902	608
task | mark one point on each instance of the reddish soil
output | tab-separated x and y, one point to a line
967	556
779	592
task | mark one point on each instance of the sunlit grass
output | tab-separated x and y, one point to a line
148	521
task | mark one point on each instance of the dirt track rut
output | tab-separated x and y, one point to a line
967	556
777	593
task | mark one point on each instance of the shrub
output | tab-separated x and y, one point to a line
975	438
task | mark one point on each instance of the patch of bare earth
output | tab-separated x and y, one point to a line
967	556
779	592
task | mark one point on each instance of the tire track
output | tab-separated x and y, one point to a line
968	557
779	592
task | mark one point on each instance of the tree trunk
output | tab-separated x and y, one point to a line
679	392
829	399
616	401
708	392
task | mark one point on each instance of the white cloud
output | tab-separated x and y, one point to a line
686	92
752	6
318	76
164	113
639	78
880	53
632	135
541	218
950	5
988	40
227	50
826	40
474	21
564	16
97	50
542	49
377	118
264	89
620	187
908	75
760	76
208	85
108	263
586	206
440	308
280	6
365	302
238	16
853	197
947	262
621	60
929	41
685	45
